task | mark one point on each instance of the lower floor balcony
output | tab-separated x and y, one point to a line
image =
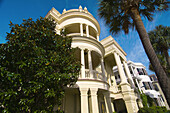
93	75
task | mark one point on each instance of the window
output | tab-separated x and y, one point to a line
162	98
156	87
147	85
153	78
144	71
140	71
150	85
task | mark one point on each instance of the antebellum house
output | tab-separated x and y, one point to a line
158	88
96	90
143	83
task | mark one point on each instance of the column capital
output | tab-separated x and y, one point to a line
82	49
88	50
84	91
93	91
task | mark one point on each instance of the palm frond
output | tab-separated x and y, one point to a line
117	13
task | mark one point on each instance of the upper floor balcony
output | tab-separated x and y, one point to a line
79	29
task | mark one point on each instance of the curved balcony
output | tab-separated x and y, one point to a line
94	75
79	34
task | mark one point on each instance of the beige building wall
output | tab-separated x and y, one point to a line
96	90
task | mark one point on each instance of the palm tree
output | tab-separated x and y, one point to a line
163	64
160	40
124	14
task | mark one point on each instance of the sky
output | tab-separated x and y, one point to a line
17	10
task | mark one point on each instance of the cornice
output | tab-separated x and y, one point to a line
108	41
72	13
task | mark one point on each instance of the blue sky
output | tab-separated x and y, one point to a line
17	10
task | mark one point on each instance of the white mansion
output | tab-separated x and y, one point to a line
97	89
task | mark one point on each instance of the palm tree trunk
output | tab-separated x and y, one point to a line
167	57
162	77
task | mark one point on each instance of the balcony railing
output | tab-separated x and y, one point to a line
78	34
95	75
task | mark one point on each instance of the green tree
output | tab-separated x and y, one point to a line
149	105
163	63
35	66
125	14
160	40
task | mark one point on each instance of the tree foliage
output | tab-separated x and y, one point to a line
35	66
160	40
153	109
149	105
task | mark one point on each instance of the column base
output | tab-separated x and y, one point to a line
130	102
125	87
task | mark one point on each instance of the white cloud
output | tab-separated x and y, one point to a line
138	55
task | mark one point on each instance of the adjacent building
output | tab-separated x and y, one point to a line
98	89
144	83
158	88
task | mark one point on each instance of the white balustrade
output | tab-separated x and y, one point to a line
95	75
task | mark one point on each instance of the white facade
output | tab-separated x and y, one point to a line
158	88
142	81
96	90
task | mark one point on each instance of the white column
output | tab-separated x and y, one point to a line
120	68
108	103
132	70
128	73
84	100
112	106
138	85
94	100
102	69
87	30
81	29
82	64
90	64
97	37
